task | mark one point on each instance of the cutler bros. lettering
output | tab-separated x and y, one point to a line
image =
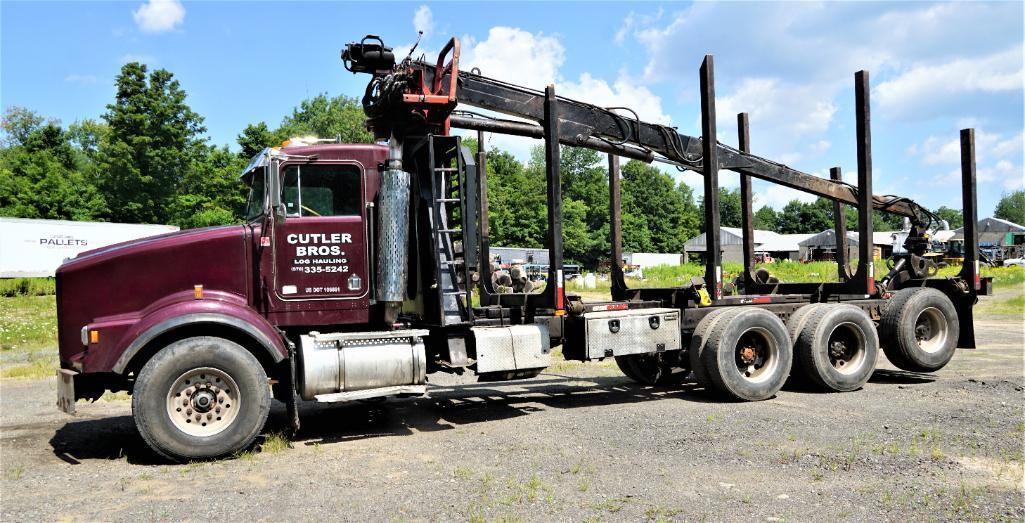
323	244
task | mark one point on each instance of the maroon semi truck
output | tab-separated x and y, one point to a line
361	269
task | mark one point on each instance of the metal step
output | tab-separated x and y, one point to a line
405	390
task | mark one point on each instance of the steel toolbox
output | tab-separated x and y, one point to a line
598	335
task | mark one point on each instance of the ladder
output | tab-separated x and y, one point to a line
449	215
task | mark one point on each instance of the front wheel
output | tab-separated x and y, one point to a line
201	398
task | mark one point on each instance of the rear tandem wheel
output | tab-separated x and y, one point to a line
747	355
919	329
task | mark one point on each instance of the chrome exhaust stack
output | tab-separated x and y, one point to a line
393	233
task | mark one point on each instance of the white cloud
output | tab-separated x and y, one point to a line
514	55
423	20
777	196
83	79
995	157
793	67
635	20
158	16
533	60
926	85
988	147
624	92
782	117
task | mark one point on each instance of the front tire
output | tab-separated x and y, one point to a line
201	398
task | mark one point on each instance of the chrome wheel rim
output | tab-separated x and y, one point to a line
845	348
203	402
931	330
756	355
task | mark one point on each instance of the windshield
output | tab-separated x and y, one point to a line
254	205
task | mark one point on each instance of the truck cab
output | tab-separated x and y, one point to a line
330	291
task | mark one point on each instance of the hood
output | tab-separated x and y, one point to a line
159	241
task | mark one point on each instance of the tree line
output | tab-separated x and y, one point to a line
147	160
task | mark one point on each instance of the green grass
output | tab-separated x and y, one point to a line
1012	305
819	272
28	336
274	443
28	322
28	287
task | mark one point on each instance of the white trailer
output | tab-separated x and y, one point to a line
651	259
35	248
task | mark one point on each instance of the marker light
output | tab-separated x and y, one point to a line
94	336
198	291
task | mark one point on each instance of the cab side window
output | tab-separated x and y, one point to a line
322	190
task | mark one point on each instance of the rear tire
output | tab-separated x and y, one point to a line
795	324
623	362
698	343
837	348
919	329
201	398
748	354
652	369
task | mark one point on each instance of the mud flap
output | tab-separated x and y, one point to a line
66	390
966	327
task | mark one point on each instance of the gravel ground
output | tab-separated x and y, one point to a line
579	443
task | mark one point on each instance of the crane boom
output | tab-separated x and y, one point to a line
416	91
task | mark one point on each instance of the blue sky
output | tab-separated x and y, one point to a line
935	68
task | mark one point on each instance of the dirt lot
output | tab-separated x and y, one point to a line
580	442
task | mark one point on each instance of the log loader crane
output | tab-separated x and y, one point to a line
363	268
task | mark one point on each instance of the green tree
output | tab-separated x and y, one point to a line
690	223
809	218
18	123
881	221
729	208
1011	207
255	138
88	136
40	178
517	202
210	193
765	219
954	217
653	210
340	117
153	133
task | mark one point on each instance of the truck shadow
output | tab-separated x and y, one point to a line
108	438
445	408
450	407
900	377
